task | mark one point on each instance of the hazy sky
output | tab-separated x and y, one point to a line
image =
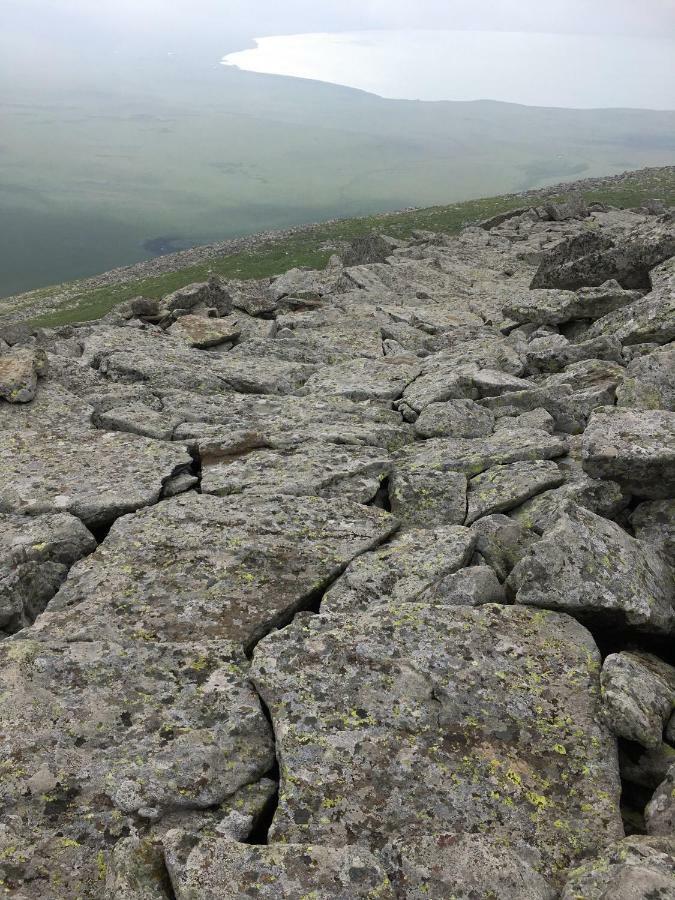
264	17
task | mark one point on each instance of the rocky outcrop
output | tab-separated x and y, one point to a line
349	583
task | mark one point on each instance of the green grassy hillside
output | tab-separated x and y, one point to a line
306	248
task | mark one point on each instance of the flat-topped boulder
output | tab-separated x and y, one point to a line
648	382
202	331
98	738
311	469
365	379
95	475
588	566
217	567
635	448
636	868
496	705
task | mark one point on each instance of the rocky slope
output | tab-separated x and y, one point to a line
353	583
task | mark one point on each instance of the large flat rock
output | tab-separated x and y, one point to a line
312	469
226	568
635	448
94	736
411	719
95	475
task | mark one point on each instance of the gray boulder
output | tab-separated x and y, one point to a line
501	488
102	737
540	513
223	568
425	497
649	382
636	868
660	811
311	469
635	448
495	705
638	696
473	586
554	356
35	555
95	475
211	294
214	868
590	567
464	866
365	379
654	523
501	542
202	332
401	569
558	402
19	371
454	418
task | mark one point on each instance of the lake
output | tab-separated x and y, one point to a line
579	71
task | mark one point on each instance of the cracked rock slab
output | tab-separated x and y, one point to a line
471	456
213	869
500	488
638	696
540	513
401	569
365	379
588	566
95	475
501	542
496	706
654	522
427	498
35	555
635	448
226	568
94	734
317	469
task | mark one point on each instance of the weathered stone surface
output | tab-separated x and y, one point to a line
559	402
464	866
542	512
501	542
649	382
211	294
651	319
654	523
638	696
510	745
400	570
660	811
136	871
312	469
589	260
473	456
500	488
365	379
590	567
202	332
424	497
473	586
535	418
95	475
213	868
53	409
635	448
219	567
94	735
19	370
636	868
454	418
35	555
555	358
593	381
555	307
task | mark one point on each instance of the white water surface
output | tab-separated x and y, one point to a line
573	71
